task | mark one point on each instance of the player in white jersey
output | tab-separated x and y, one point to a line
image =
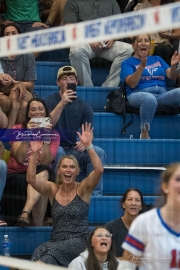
153	241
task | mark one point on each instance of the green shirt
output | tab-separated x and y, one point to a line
22	10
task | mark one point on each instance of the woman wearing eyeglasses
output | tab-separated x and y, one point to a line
100	253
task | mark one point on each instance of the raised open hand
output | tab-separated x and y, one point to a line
87	134
175	59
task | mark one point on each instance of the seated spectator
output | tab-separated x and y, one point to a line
25	14
131	203
52	11
114	51
3	171
100	253
14	197
145	79
17	76
70	203
68	112
166	42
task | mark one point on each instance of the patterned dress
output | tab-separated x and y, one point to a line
69	235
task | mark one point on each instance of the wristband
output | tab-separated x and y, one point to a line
89	147
47	142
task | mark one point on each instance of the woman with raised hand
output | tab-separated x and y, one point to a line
153	241
70	203
145	79
100	252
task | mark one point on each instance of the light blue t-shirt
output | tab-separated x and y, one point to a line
153	74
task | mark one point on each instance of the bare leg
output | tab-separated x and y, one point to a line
32	198
39	210
13	109
5	105
4	119
145	134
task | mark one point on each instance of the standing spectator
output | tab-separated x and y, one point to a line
115	51
132	203
17	76
70	203
68	112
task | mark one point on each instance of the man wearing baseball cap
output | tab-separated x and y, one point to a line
68	112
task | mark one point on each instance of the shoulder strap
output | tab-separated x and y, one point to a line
123	131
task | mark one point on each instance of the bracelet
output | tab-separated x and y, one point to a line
89	147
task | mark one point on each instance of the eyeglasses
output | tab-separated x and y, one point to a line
100	235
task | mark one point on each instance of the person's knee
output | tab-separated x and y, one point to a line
149	100
122	47
78	52
5	103
101	153
3	167
59	155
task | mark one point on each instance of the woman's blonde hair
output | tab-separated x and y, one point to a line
76	164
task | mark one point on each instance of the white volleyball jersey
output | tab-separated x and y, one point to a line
152	239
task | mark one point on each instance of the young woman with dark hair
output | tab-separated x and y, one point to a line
17	77
153	241
132	203
15	201
100	252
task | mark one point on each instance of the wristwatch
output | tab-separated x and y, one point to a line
48	23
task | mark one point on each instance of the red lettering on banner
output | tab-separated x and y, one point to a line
156	16
74	33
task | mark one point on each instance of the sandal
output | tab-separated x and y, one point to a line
21	221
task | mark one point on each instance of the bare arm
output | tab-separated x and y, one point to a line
29	85
44	187
172	71
66	98
133	80
89	183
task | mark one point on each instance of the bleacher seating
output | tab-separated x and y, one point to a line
161	149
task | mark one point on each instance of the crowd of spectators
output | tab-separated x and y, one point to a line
45	174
